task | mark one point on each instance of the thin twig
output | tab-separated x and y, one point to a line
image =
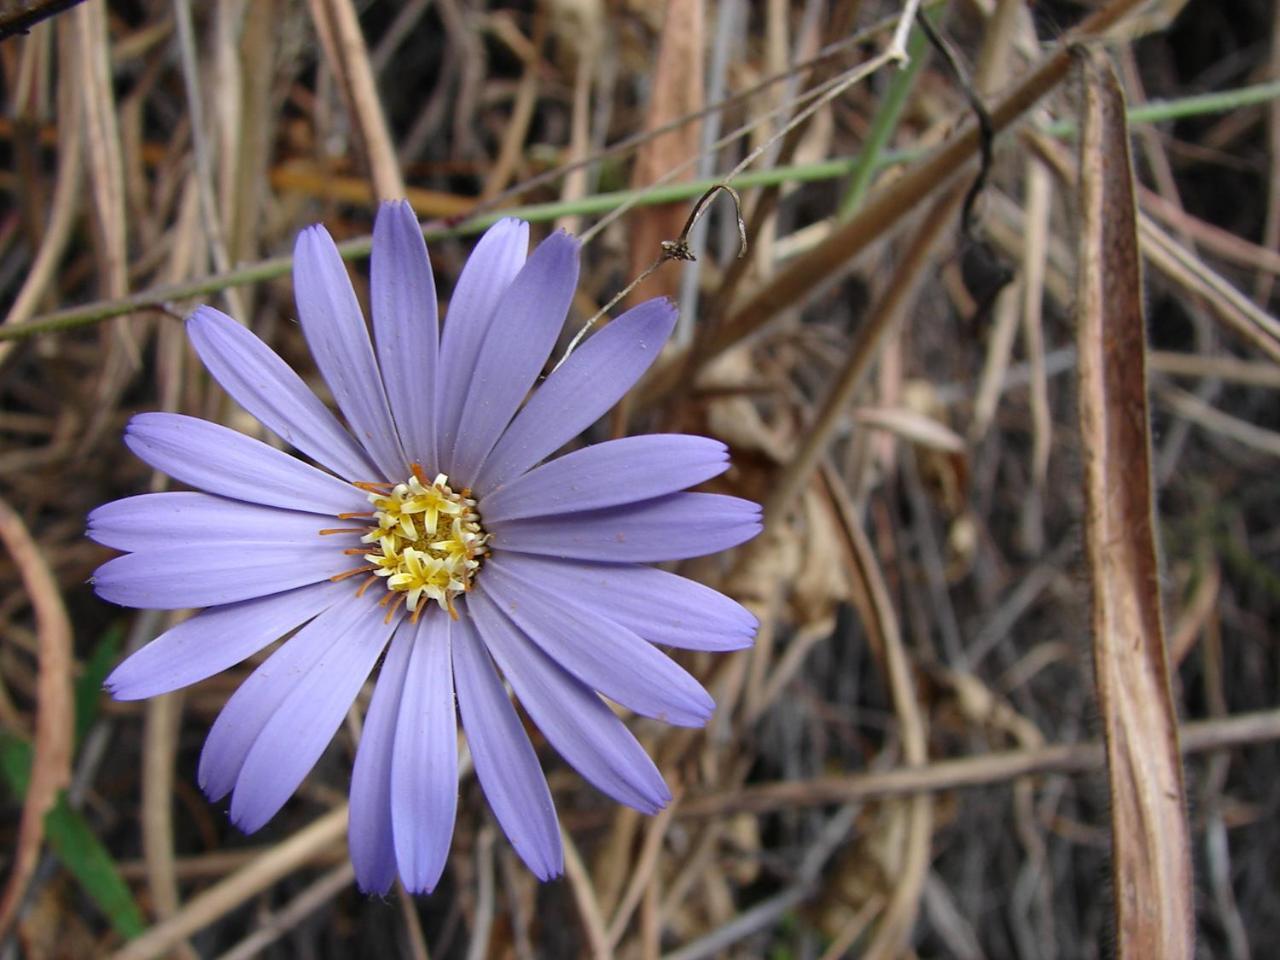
1200	736
51	767
584	895
677	249
311	899
277	862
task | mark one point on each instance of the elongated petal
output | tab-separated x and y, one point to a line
669	528
607	475
154	520
526	323
267	387
601	653
406	329
505	762
373	853
369	828
493	264
252	705
178	577
576	721
334	328
661	607
218	460
306	720
424	770
216	639
593	379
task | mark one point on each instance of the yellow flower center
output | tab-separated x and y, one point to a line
425	542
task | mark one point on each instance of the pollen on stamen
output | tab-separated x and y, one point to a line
424	541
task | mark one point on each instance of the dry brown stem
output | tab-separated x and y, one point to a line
1151	859
51	766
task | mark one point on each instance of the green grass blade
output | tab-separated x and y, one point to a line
72	840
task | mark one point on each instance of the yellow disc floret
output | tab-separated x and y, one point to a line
425	542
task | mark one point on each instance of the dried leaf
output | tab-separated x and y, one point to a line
1150	858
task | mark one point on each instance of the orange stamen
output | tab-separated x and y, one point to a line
355	551
391	610
330	530
353	516
337	577
372	486
369	581
420	474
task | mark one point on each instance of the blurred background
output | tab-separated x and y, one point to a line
908	761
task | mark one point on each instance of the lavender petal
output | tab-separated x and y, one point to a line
290	743
257	379
674	527
424	767
216	572
604	655
154	520
608	475
251	706
216	639
405	327
573	718
526	323
493	264
373	852
593	379
661	607
221	461
505	762
334	329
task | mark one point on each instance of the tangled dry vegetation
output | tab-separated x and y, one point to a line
1009	537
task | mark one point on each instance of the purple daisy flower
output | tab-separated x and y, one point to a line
430	532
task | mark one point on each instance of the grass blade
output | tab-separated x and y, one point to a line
73	840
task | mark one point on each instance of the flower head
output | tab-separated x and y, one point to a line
429	534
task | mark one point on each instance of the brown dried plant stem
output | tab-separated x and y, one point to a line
863	351
1180	265
234	889
62	211
160	740
807	275
594	924
51	767
338	27
959	773
1151	863
896	922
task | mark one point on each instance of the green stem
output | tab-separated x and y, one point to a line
868	161
157	298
